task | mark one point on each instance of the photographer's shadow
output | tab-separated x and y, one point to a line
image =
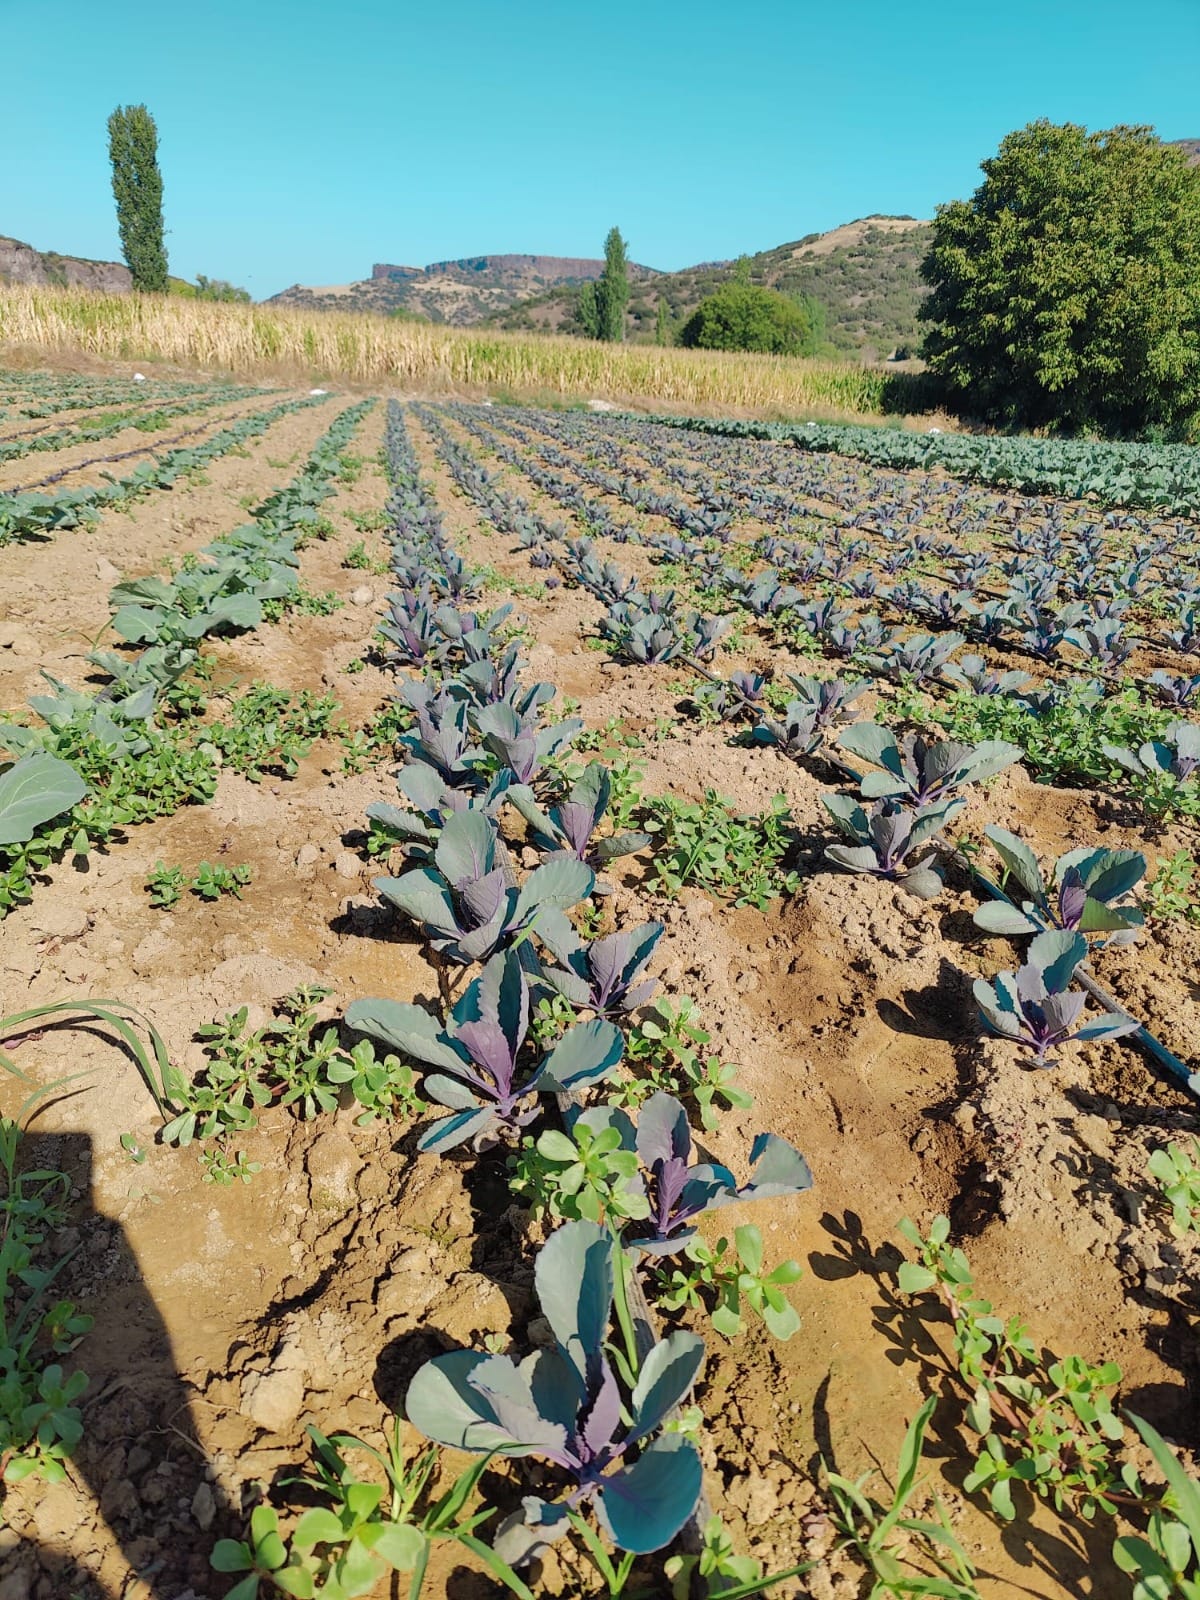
139	1501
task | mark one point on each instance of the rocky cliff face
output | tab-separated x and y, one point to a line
461	292
505	270
21	263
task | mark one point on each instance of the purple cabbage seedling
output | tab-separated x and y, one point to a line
477	1056
1176	755
989	622
442	737
1035	1005
763	595
519	743
818	704
1173	690
484	683
411	628
433	802
1080	898
568	829
828	697
729	699
819	616
919	773
679	1190
796	733
463	899
972	674
919	657
1102	640
606	975
473	634
883	839
564	1404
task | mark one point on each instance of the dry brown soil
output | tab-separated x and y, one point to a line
228	1318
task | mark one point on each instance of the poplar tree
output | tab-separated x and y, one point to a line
612	289
137	189
587	311
662	325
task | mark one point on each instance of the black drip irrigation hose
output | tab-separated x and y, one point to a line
142	450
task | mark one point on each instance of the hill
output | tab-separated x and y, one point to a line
469	290
865	275
21	263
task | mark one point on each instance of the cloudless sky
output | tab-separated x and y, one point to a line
302	142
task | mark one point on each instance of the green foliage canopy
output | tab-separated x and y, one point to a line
138	190
743	316
220	289
1066	291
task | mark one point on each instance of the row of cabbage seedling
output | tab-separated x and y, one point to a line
223	588
913	796
595	1402
27	513
148	417
840	492
45	394
1161	478
651	627
1024	617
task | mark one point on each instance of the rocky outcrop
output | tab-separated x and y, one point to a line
460	292
21	263
511	270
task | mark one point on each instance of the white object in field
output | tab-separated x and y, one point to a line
489	402
139	377
601	405
935	430
318	391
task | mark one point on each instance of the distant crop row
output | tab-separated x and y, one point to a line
1158	477
149	418
29	514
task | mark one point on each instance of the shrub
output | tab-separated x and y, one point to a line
743	316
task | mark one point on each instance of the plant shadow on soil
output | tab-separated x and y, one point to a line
1067	1554
145	1433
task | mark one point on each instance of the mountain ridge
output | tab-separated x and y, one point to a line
461	291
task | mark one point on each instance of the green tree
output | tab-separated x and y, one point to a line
587	311
662	322
742	316
137	189
220	289
612	289
1066	291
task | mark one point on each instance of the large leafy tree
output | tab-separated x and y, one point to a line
742	316
1066	291
138	190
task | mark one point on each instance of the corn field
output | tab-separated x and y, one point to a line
256	341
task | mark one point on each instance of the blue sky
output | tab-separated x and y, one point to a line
301	142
